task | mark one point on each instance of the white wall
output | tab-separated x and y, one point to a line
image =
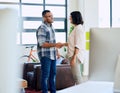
73	5
90	13
89	10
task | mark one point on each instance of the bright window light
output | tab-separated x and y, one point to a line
9	0
32	1
18	38
55	2
60	37
57	11
104	13
31	24
58	25
29	38
116	13
32	11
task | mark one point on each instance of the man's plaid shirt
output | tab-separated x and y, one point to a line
46	33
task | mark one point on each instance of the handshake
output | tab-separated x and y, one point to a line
59	45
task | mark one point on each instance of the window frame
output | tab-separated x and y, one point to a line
20	4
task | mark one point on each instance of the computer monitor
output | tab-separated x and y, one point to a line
103	55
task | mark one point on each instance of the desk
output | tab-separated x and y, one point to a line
90	87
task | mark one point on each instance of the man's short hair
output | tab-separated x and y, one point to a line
44	12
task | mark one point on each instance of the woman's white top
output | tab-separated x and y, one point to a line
77	39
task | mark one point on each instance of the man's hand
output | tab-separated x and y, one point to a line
59	45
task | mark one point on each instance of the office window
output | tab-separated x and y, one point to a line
115	13
28	38
58	24
55	2
18	38
31	24
60	36
109	15
30	12
33	1
32	18
57	11
9	1
104	13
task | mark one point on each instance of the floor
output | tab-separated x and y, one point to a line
34	91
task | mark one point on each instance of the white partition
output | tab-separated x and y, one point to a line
8	51
104	50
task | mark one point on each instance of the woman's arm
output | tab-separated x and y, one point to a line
73	60
65	44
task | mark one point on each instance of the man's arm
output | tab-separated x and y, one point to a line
48	45
41	37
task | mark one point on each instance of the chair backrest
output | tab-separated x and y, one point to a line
104	50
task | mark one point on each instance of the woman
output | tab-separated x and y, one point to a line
76	45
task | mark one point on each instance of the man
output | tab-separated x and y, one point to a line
46	48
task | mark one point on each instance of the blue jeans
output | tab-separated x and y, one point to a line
48	72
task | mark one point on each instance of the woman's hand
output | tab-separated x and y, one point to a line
73	60
65	44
